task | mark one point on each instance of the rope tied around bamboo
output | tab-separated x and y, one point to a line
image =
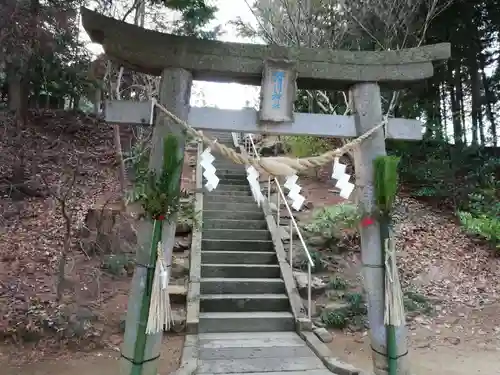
275	166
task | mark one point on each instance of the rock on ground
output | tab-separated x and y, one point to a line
323	334
318	286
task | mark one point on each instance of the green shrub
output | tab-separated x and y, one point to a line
484	202
331	222
354	313
117	264
416	302
305	146
302	146
337	283
335	319
318	264
487	227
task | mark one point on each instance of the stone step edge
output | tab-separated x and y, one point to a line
241	280
247	187
243	296
235	230
247	315
254	208
237	220
224	197
234	265
240	252
231	211
229	241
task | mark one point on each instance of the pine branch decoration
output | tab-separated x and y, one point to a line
159	194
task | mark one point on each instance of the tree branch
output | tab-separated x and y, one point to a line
128	12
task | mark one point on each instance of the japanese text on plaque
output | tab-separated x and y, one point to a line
278	78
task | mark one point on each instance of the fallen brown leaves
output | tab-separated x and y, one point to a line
441	261
32	229
56	144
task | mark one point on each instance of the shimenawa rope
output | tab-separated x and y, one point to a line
274	166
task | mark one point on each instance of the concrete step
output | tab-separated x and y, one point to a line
225	187
255	358
229	198
224	161
228	162
224	340
233	168
283	364
230	172
235	271
234	224
243	353
243	302
232	215
246	321
217	285
236	245
234	181
257	353
236	193
230	180
223	206
236	234
239	257
227	170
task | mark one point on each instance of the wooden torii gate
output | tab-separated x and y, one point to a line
179	60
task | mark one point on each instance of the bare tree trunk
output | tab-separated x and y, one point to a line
61	269
140	13
97	101
118	147
17	94
138	20
444	114
476	105
75	103
455	104
489	100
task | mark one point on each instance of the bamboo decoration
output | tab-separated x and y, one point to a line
386	185
159	196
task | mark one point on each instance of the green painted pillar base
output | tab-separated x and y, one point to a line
138	347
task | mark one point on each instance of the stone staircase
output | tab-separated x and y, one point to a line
245	319
241	286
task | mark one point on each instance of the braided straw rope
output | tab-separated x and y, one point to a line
274	166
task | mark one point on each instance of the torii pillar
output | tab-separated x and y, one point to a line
179	59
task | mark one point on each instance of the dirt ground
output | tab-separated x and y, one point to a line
465	344
94	363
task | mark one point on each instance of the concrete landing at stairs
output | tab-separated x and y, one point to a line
257	353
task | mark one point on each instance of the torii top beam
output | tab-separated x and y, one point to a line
150	52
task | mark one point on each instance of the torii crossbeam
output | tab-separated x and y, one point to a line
149	51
